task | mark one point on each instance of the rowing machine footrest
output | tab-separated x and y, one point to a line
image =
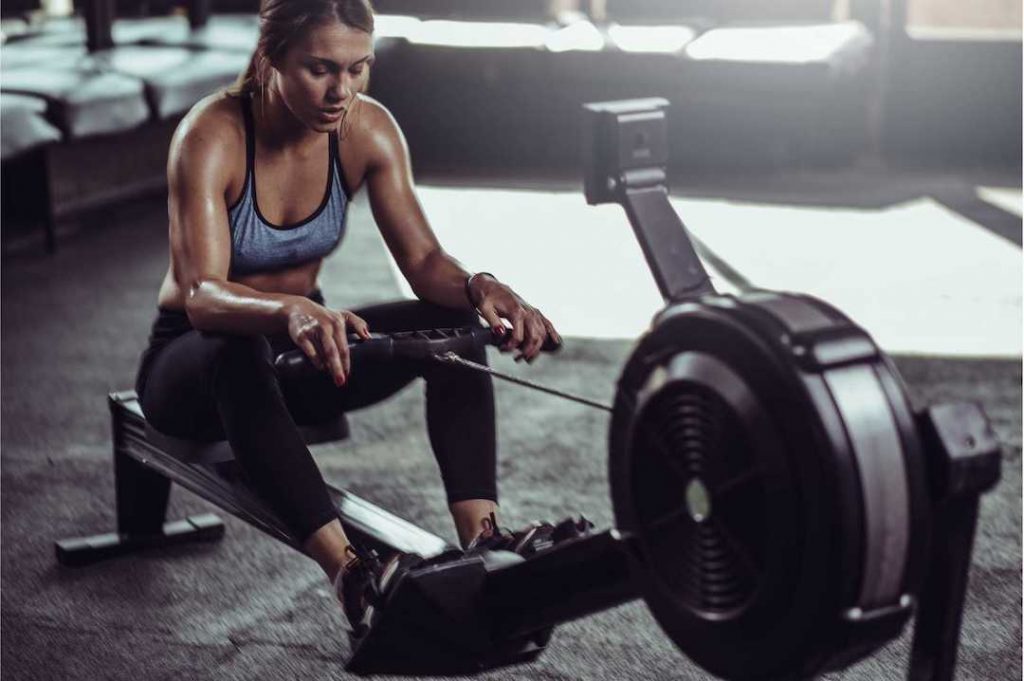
87	550
432	622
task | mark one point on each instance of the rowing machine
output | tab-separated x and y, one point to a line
775	493
779	505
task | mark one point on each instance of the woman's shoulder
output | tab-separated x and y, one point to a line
374	128
212	131
371	112
215	121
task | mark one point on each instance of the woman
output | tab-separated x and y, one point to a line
246	248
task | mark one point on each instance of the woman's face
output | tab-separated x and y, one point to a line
320	74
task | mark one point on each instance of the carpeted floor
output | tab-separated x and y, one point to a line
246	608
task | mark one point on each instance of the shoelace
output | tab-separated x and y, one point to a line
493	534
490	525
369	560
543	535
490	530
357	556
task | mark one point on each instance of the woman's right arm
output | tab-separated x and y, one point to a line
199	167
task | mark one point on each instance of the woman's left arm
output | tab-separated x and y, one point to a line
434	275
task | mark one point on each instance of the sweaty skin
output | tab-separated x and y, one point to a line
319	78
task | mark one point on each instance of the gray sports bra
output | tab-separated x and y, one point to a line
257	245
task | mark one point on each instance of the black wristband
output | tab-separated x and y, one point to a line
469	292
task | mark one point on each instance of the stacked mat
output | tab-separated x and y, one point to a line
55	89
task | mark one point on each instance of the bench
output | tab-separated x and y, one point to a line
116	106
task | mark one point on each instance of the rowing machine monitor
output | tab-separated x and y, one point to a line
625	161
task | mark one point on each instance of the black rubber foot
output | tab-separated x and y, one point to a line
87	550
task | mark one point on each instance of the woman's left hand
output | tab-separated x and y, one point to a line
496	301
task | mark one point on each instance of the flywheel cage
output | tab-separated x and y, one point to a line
698	486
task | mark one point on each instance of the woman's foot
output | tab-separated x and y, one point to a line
354	587
364	580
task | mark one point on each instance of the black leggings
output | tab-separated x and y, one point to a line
212	386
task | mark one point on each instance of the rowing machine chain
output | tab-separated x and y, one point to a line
451	358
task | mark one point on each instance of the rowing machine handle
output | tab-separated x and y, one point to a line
415	345
377	346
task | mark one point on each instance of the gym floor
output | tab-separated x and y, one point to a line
929	263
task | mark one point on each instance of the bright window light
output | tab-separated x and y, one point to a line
979	35
581	36
479	34
784	44
58	8
394	26
971	19
661	39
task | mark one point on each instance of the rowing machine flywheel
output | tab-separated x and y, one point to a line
766	465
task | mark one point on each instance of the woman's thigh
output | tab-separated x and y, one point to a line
414	315
314	397
177	398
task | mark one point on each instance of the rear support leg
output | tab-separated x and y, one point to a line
142	495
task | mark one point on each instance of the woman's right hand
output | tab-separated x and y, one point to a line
322	335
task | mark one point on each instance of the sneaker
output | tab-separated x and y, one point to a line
531	539
571	528
542	536
491	537
364	581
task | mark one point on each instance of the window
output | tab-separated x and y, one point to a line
960	17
